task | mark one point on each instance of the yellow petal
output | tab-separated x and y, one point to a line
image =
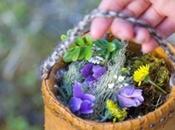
139	83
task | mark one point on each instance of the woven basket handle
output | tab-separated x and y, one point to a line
83	27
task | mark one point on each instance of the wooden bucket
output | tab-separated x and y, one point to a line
59	117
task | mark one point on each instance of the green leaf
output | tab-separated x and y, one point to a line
103	44
72	54
67	57
75	53
111	47
88	39
79	41
88	52
82	53
107	55
118	44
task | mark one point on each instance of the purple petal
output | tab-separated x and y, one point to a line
127	102
129	96
77	90
86	71
127	91
140	98
90	80
75	104
86	107
137	102
138	93
88	97
98	71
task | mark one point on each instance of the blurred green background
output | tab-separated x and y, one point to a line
29	30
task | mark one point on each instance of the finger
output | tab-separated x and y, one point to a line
165	7
149	46
122	29
114	5
152	17
137	7
167	27
141	35
100	25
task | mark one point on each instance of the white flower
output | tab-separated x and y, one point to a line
121	78
111	85
96	60
115	77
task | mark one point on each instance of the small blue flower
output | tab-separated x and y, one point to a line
81	103
92	72
130	96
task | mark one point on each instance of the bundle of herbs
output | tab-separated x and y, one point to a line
102	80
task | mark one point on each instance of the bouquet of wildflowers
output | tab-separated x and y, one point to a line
103	80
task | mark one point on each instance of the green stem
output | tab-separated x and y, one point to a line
62	93
159	88
105	117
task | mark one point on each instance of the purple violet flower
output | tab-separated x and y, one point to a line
92	72
129	96
81	103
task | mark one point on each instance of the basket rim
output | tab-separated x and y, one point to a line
57	107
47	92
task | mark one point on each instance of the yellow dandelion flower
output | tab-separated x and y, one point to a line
141	73
113	108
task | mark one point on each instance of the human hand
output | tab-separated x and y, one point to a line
158	13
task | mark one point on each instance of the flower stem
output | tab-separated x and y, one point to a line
104	118
159	88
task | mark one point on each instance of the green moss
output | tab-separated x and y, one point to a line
159	72
73	74
102	91
162	76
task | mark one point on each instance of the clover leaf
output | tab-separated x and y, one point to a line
80	50
111	47
106	49
88	40
86	53
72	54
80	41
